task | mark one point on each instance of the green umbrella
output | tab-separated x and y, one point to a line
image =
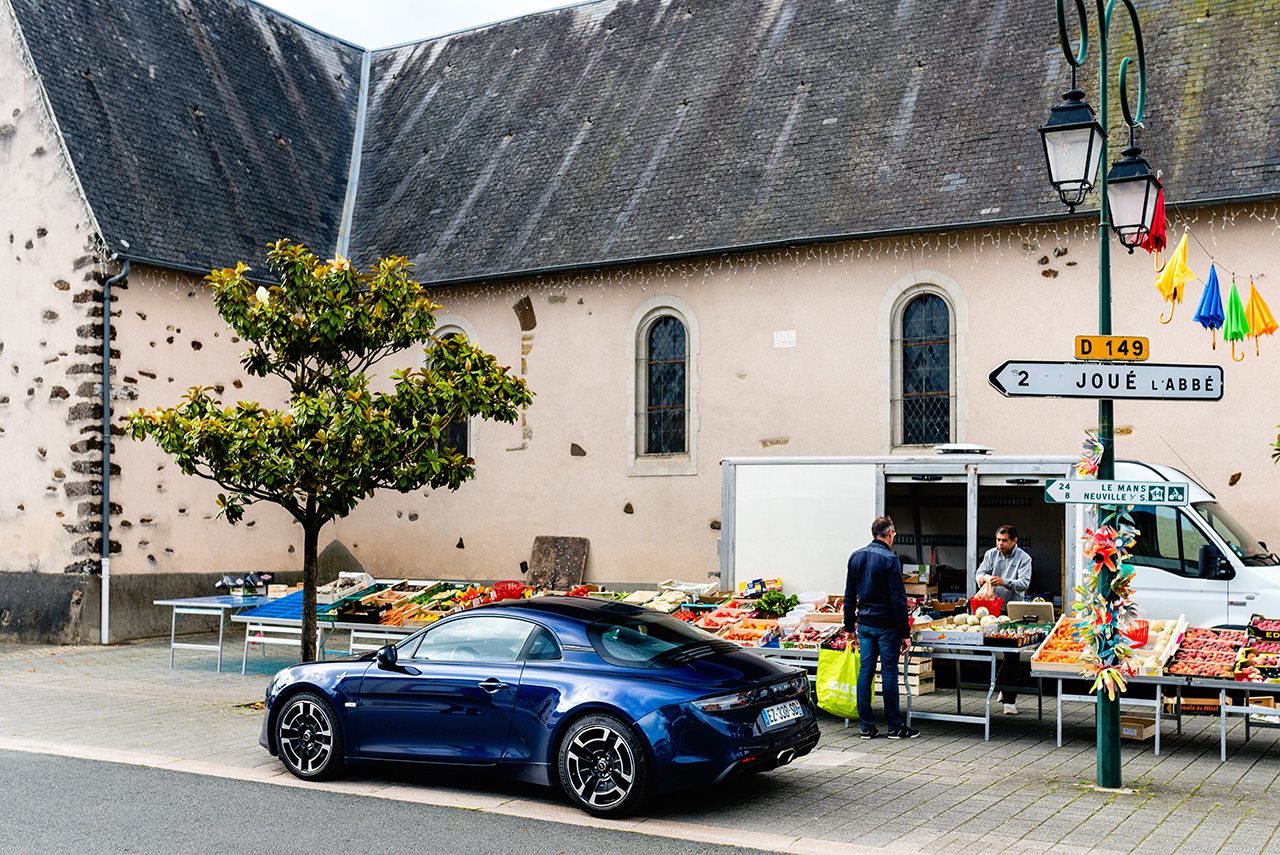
1235	326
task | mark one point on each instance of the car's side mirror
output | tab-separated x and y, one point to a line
387	656
1212	565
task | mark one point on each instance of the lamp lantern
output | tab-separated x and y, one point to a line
1132	191
1073	142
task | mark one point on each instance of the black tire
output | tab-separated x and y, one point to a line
308	738
603	767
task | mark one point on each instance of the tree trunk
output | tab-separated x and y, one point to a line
310	573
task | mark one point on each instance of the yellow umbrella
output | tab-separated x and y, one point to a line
1259	317
1171	280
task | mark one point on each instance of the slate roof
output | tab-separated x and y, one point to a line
623	130
201	130
633	129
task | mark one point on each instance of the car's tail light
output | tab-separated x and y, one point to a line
724	703
765	694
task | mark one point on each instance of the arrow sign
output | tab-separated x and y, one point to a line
1082	492
1142	381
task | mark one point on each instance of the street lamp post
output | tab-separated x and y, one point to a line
1076	153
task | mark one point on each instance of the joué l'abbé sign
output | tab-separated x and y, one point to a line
1139	381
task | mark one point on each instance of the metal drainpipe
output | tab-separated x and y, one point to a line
106	448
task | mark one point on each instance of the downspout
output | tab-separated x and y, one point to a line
106	448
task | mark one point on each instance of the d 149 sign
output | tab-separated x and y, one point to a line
1141	381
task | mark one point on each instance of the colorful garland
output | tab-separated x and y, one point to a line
1108	660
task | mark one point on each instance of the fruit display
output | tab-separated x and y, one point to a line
1162	639
1015	635
667	601
1063	647
1264	629
809	636
745	637
1208	653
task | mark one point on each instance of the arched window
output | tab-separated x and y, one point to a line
662	415
458	434
926	401
665	386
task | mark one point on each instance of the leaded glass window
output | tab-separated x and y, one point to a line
926	371
664	369
457	434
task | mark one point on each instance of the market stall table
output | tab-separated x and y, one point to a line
1158	681
960	653
217	606
286	613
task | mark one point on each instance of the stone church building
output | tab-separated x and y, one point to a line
697	229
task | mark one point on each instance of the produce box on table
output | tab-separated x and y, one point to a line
746	637
1208	653
1151	658
1264	629
810	635
1062	649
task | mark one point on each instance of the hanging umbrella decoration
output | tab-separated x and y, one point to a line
1209	315
1235	326
1155	240
1173	277
1259	317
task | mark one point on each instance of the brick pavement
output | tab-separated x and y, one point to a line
947	792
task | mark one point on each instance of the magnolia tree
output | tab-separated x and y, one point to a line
321	330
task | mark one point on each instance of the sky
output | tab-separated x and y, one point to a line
379	23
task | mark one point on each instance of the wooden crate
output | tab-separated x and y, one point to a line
916	589
923	684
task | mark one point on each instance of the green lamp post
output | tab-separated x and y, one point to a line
1075	145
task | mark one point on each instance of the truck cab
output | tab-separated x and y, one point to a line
1197	560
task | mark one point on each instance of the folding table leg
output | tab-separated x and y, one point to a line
173	628
1059	712
1222	720
1159	710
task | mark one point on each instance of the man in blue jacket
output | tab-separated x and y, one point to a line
876	602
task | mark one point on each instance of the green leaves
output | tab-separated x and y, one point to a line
320	330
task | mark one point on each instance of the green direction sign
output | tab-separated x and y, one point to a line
1086	492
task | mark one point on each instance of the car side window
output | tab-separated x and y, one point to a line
478	638
542	646
1167	540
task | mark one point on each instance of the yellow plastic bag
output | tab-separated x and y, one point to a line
838	681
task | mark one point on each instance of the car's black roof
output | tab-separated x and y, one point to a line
585	609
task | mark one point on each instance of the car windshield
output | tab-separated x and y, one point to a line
652	641
1241	542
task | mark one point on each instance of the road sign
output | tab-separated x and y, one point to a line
1084	492
1108	380
1112	347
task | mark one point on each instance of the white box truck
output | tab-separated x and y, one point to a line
799	518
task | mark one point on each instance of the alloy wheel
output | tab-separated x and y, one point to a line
601	766
306	736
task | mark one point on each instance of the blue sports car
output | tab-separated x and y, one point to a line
607	700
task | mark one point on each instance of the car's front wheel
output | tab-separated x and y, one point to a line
308	738
603	766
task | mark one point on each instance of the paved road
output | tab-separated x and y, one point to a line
67	806
947	792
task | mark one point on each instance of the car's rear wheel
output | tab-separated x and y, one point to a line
308	738
603	766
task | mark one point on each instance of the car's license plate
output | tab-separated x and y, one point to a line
782	712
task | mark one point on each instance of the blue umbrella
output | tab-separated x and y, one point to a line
1209	315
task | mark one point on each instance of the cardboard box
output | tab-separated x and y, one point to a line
1137	727
922	573
1264	634
1194	706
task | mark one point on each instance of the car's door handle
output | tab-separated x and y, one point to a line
492	685
1251	596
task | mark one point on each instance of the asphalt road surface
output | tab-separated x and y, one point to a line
53	805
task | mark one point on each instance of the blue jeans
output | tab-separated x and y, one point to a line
875	644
